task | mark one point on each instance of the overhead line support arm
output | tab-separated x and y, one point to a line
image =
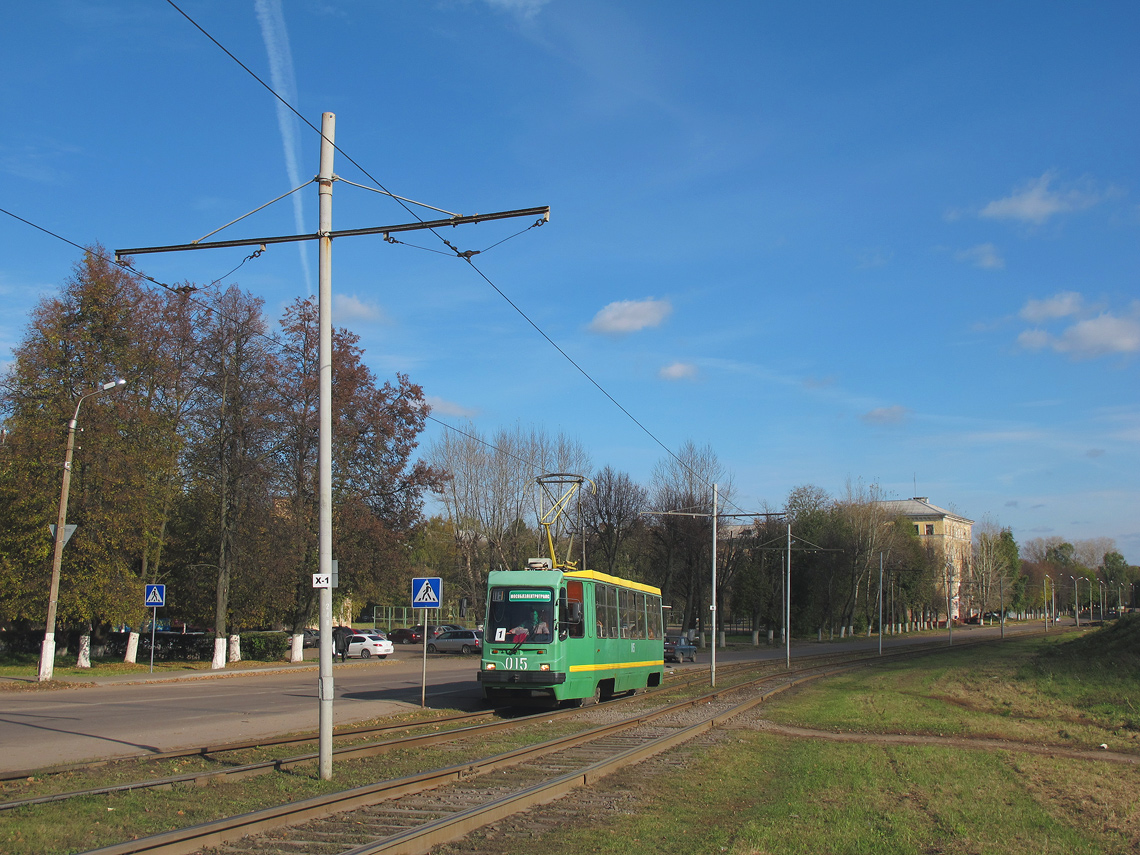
542	212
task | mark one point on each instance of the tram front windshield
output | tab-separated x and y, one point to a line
520	614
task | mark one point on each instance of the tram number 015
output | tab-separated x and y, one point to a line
515	663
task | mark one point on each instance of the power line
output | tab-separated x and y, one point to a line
465	256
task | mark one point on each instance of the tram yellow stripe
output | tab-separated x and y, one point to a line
606	666
612	580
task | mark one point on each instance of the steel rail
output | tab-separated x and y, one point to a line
245	770
195	838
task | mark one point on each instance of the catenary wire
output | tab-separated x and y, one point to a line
402	203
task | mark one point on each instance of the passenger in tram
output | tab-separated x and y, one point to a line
542	628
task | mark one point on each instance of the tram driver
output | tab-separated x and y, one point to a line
542	627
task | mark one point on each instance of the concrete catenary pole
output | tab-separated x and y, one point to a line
788	606
712	607
324	451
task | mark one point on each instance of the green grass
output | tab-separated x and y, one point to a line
758	792
755	792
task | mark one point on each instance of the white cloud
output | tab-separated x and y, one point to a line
441	407
1100	336
886	415
1058	306
1035	203
1034	339
678	371
984	255
523	8
351	308
627	316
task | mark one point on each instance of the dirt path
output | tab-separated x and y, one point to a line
975	743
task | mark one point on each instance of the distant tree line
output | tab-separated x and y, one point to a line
201	472
661	534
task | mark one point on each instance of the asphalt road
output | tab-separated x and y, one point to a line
119	717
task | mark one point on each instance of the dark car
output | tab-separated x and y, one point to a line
406	635
433	629
457	641
311	638
678	648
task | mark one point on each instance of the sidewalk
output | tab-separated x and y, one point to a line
137	677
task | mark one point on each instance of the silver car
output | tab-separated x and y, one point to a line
457	641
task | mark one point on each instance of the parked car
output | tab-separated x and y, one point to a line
367	646
311	638
406	635
435	629
457	641
678	648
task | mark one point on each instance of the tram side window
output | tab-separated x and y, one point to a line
627	606
612	619
639	607
600	609
575	593
653	604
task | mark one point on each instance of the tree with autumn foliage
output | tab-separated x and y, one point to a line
96	329
200	472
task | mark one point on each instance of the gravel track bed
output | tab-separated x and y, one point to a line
336	834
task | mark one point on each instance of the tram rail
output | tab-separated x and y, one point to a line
375	816
685	679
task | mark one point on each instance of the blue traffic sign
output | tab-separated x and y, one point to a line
155	596
427	592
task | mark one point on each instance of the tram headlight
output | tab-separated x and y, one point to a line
490	666
544	667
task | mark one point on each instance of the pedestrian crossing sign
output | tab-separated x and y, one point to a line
427	592
155	596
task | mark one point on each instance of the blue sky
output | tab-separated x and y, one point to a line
894	242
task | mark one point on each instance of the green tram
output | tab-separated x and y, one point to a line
565	635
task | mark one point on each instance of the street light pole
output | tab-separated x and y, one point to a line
1076	601
1045	597
47	652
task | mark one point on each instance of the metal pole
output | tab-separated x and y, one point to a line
47	650
1076	601
1045	597
788	606
324	451
1001	602
949	621
880	603
153	626
423	676
712	607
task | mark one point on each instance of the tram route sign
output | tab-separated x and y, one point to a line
427	592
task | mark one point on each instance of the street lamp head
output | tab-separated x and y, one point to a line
113	384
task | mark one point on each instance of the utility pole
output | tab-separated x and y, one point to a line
324	236
712	607
324	448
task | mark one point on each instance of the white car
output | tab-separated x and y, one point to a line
366	646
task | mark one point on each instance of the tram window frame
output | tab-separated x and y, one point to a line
653	603
575	592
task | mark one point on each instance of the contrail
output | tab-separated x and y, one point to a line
276	39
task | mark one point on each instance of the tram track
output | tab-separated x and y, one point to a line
412	813
453	728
